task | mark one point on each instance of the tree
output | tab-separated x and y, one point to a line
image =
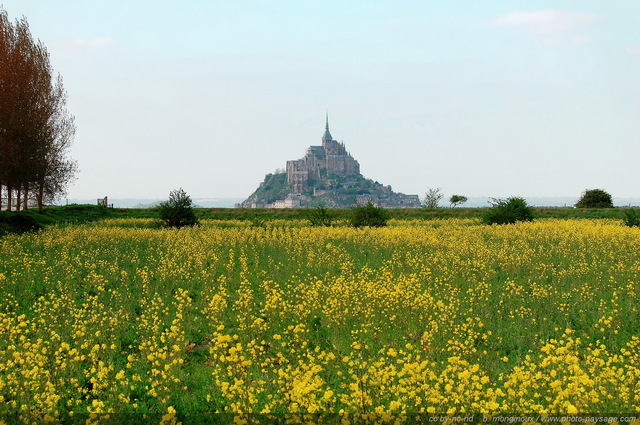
432	197
368	215
177	211
36	130
595	198
631	218
457	199
320	216
508	212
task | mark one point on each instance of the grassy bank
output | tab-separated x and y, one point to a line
19	222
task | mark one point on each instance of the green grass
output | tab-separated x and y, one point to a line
381	288
78	214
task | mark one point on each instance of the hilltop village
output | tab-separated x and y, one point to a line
326	175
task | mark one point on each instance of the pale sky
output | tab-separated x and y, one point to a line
481	98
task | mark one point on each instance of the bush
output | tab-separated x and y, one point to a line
320	216
432	197
15	222
368	215
457	199
595	198
508	212
631	218
177	211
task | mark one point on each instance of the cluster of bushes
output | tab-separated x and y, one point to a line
598	198
503	212
178	211
361	216
516	209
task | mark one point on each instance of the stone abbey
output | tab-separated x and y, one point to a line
320	162
327	175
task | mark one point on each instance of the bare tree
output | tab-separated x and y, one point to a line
7	89
36	130
432	197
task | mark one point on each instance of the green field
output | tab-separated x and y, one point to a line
12	222
116	319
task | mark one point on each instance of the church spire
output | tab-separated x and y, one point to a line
327	135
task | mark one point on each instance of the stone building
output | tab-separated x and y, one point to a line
327	175
321	161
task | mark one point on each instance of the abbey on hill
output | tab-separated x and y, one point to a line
327	175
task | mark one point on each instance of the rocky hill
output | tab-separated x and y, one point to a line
327	175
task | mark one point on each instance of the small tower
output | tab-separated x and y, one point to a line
326	138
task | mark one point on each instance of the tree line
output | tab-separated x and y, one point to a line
36	130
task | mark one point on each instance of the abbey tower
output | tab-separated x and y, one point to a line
329	159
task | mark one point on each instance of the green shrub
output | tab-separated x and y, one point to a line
457	200
320	216
508	212
16	222
368	215
631	218
595	198
177	211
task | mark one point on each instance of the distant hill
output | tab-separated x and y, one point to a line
327	175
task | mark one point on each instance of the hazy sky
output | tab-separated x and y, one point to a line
481	98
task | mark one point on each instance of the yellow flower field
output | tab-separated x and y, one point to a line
438	317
